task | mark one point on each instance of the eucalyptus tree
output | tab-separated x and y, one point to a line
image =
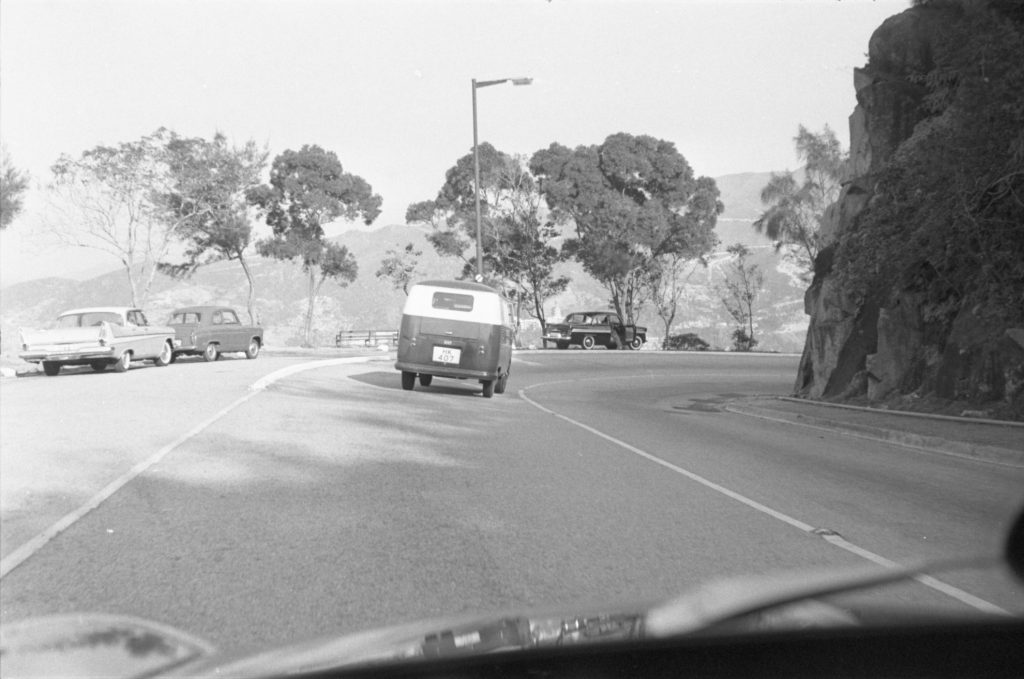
207	192
308	189
108	199
796	211
516	238
632	200
399	266
668	282
13	184
743	283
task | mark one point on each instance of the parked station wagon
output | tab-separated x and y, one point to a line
211	331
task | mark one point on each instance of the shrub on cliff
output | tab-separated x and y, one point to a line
947	215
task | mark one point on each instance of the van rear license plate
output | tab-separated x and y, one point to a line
447	354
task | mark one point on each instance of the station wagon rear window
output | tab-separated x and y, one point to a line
453	301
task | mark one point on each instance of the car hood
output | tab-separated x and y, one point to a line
119	646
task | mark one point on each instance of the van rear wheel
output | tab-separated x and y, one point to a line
408	380
489	388
425	380
499	387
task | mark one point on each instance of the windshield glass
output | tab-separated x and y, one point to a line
88	319
481	308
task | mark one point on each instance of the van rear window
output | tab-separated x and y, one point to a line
453	301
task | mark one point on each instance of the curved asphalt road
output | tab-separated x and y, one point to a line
334	501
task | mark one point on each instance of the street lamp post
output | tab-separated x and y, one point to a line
476	166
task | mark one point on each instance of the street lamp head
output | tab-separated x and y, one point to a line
521	81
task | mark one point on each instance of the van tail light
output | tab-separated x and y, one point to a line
106	334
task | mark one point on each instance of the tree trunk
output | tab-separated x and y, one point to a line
131	283
251	304
750	325
307	329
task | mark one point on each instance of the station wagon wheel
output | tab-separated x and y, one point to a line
425	380
165	357
98	366
124	362
408	380
488	388
253	349
51	368
210	353
588	342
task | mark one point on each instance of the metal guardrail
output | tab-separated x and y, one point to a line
365	338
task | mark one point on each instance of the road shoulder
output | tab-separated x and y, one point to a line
996	442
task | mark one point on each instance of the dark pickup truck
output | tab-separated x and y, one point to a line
592	328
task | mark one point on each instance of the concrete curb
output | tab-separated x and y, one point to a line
903	413
933	444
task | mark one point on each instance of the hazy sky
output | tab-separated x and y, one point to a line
386	84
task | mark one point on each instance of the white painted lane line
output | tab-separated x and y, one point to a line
23	552
947	589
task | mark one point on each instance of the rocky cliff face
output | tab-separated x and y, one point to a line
883	346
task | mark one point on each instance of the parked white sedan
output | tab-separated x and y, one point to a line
98	337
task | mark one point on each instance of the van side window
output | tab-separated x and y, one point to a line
452	301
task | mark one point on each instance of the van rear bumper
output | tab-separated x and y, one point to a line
439	370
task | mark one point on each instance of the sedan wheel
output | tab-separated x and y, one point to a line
165	357
636	343
254	348
588	342
123	362
210	353
51	368
98	366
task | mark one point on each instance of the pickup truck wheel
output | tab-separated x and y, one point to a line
408	380
636	343
123	362
210	353
98	366
425	380
588	342
166	356
488	388
253	349
51	368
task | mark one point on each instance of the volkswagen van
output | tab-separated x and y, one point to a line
455	329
